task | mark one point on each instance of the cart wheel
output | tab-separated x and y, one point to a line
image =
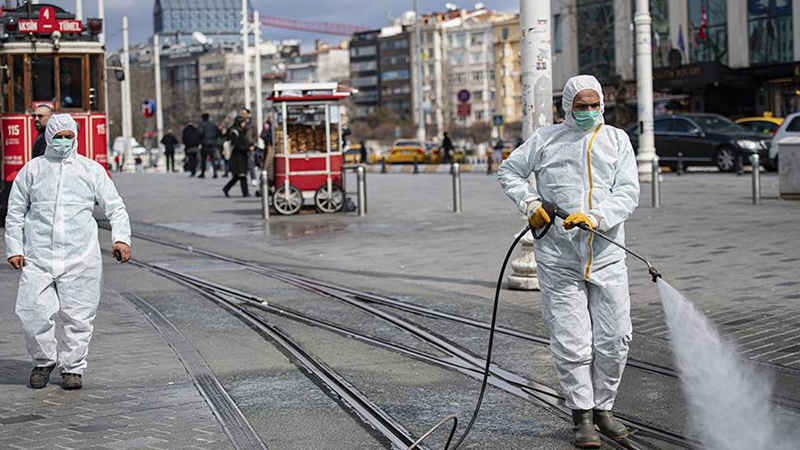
287	203
331	204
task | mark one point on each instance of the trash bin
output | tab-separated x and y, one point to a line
789	168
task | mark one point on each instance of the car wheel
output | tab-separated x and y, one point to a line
725	159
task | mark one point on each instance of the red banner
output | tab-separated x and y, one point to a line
47	23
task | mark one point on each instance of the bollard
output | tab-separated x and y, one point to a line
755	163
656	184
416	165
361	185
679	171
264	196
739	165
489	165
456	188
383	165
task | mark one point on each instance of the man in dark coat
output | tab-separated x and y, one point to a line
447	148
191	140
238	161
209	133
41	115
169	143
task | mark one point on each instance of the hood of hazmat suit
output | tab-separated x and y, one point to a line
583	282
50	222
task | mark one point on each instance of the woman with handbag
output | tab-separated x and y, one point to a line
237	162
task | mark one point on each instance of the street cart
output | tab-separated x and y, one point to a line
308	147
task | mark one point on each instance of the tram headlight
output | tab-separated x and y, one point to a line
11	25
95	26
56	37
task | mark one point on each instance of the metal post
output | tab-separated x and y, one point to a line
383	165
755	163
489	165
259	95
457	188
101	14
418	67
416	165
739	165
680	164
361	185
245	38
656	172
644	88
537	67
127	128
157	67
264	196
78	9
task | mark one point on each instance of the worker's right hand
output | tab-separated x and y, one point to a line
17	261
539	218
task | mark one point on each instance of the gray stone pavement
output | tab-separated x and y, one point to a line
136	394
733	259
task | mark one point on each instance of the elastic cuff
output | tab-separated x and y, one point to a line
532	206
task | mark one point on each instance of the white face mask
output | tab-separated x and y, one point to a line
61	146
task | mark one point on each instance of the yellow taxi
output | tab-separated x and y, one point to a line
436	155
353	154
766	124
406	151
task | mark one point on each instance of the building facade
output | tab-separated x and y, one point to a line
508	70
364	72
178	20
395	70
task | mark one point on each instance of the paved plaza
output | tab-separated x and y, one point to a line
737	261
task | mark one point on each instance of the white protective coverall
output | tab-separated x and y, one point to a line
583	280
50	222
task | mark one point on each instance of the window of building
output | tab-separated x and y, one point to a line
769	27
476	58
363	51
390	75
477	75
457	59
659	11
476	39
399	89
459	40
477	95
480	116
708	42
458	77
394	45
364	66
364	81
491	74
596	38
504	33
558	46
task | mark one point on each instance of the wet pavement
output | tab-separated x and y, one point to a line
734	259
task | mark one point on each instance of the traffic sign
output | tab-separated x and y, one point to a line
47	23
497	120
463	96
148	108
464	110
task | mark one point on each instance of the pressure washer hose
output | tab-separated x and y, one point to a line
553	211
487	369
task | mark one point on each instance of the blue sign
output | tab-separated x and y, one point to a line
463	96
497	120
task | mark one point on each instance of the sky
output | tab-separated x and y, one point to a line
366	13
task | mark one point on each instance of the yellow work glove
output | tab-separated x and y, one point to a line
573	220
539	218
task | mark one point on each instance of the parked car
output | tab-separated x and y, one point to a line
789	128
406	151
119	146
353	154
704	139
436	155
766	124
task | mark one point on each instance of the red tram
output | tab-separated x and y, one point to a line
48	57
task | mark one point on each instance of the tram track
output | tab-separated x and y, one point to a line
458	359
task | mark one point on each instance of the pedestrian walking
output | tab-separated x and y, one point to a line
51	236
238	160
363	152
41	115
251	136
589	169
191	141
447	148
208	150
138	163
169	141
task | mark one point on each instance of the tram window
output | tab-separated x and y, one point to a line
42	79
19	85
95	82
71	82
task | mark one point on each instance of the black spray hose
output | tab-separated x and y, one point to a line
487	369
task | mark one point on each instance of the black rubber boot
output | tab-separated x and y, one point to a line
609	425
71	381
585	434
40	376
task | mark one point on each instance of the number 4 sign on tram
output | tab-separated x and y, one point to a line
47	23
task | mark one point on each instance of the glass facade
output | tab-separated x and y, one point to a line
709	41
769	31
596	38
659	11
220	18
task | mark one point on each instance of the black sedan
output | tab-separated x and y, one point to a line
703	139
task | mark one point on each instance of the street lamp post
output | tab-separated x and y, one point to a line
157	67
644	90
259	94
418	84
127	127
245	36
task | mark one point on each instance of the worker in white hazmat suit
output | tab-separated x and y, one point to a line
588	169
51	235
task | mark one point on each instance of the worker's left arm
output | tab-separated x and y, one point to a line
624	197
114	209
